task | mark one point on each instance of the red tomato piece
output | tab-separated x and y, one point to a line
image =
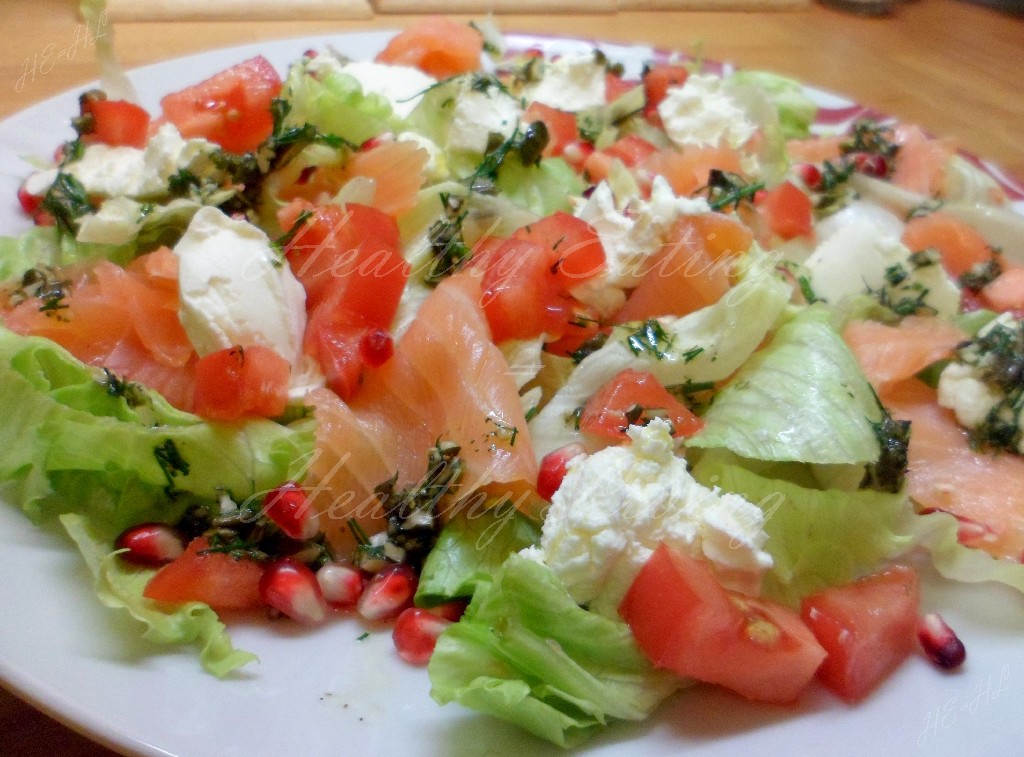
631	150
231	108
787	210
349	260
560	124
615	86
683	619
522	297
215	578
118	123
868	628
241	383
657	81
607	413
575	250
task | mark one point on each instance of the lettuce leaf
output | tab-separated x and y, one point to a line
543	188
705	346
119	586
816	537
937	533
44	246
802	398
796	110
74	444
470	549
526	653
335	104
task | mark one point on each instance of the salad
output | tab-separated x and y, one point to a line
597	382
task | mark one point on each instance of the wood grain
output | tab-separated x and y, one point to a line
236	10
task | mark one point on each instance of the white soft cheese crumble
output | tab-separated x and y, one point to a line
631	234
614	507
703	114
130	171
236	291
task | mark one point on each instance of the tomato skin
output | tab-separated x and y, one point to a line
239	383
604	414
231	108
788	211
350	263
521	297
118	123
575	251
868	628
214	578
561	126
683	619
657	81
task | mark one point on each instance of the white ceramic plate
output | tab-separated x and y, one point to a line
326	692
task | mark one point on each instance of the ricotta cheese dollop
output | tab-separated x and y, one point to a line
703	114
235	290
614	507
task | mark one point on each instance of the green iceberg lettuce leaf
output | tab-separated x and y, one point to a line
526	653
816	537
336	104
75	444
470	548
802	398
45	247
119	586
796	110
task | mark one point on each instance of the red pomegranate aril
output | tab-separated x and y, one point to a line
809	174
29	202
452	610
940	642
341	585
151	544
289	508
553	467
415	634
871	165
291	588
376	347
388	593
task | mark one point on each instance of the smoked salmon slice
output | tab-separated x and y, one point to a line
944	473
890	354
447	381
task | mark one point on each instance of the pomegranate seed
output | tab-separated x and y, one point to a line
288	506
376	347
388	593
291	588
341	585
969	532
553	467
452	610
29	202
940	642
380	139
871	165
809	174
415	634
151	544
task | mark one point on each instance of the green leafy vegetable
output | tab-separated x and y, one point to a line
816	537
526	653
120	586
802	398
470	549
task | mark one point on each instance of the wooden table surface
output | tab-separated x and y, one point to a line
955	68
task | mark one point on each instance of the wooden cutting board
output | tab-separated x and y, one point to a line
326	10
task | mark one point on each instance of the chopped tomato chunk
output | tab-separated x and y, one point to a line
634	397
